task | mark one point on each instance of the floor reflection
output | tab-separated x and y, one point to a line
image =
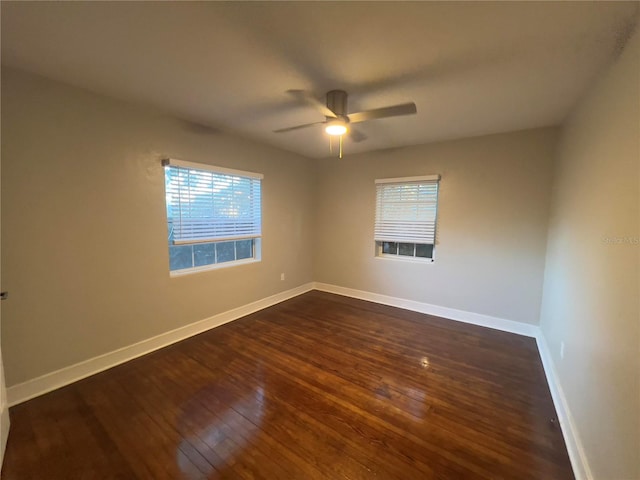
413	399
219	422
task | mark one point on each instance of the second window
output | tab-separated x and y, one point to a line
406	213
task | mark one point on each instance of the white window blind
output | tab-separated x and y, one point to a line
406	209
210	204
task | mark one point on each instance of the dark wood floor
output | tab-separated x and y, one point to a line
318	387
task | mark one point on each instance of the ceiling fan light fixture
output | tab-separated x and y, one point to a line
338	119
336	128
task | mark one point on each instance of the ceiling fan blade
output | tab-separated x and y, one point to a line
356	135
288	129
394	111
309	99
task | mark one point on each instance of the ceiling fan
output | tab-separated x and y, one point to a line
337	121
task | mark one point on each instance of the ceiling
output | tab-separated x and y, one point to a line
471	68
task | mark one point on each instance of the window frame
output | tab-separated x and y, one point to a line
379	253
255	235
257	257
378	242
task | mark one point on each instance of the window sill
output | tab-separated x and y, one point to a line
215	266
406	259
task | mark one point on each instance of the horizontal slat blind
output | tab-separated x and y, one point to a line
205	205
406	210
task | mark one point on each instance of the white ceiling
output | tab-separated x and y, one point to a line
472	68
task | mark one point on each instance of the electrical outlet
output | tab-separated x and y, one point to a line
562	350
282	276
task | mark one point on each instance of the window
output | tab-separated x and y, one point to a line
406	217
213	216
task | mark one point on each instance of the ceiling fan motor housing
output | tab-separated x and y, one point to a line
337	120
337	102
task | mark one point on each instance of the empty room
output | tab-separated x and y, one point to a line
320	240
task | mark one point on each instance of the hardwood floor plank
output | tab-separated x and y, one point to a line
350	466
318	387
24	465
404	398
202	408
345	409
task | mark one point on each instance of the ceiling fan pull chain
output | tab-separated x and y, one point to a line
341	145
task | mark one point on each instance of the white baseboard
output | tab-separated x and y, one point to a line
54	380
51	381
570	433
575	449
511	326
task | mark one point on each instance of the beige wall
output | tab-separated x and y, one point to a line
84	250
492	223
84	253
591	290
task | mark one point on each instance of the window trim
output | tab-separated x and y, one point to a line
257	238
378	249
406	258
418	179
213	266
174	162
